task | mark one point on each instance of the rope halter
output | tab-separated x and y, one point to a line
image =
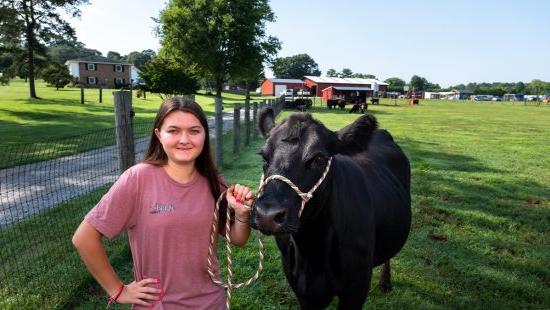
304	196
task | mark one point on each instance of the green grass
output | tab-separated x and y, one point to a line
58	125
481	215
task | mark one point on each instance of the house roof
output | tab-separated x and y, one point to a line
297	81
98	59
336	80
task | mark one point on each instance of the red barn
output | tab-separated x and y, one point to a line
317	84
348	93
275	87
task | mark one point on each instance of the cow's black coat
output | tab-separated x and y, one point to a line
358	218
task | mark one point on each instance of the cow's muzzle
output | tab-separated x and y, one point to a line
269	218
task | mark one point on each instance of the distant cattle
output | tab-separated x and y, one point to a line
332	103
359	107
358	217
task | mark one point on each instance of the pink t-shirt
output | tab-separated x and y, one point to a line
168	226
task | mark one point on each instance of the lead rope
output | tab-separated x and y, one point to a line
229	286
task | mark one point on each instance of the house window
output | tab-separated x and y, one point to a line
92	80
118	68
91	67
119	81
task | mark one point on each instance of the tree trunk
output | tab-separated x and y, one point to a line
32	89
219	87
247	87
29	34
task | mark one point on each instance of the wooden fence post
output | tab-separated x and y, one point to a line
236	128
219	132
247	122
255	120
124	129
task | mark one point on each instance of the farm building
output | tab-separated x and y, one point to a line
274	87
317	84
96	71
348	93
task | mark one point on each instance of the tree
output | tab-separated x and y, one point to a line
60	53
56	75
37	23
214	38
140	59
395	84
346	73
295	67
418	83
332	73
168	77
114	55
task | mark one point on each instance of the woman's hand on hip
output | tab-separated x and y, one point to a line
138	293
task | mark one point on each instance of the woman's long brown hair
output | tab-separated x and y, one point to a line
204	164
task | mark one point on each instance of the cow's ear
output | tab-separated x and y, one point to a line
356	136
266	121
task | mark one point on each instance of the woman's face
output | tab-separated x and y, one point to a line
182	137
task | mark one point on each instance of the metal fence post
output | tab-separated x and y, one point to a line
100	94
219	133
124	129
81	93
247	122
255	120
236	128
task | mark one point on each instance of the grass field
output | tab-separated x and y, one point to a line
481	214
58	125
59	112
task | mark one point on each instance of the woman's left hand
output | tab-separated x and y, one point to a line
240	198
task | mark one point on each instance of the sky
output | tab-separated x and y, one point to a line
446	42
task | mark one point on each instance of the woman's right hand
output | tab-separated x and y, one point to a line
138	293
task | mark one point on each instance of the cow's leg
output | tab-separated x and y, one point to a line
353	297
314	304
385	277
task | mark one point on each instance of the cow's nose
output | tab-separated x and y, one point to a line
270	219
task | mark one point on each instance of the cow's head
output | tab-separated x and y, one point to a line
299	149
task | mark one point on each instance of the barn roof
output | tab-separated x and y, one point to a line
348	88
337	80
286	81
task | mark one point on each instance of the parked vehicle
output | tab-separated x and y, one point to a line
513	97
482	97
289	92
496	98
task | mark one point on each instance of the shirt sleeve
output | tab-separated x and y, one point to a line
117	210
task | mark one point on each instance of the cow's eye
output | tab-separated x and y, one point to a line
317	160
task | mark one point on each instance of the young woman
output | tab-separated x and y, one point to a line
166	204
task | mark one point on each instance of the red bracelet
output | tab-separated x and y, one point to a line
114	298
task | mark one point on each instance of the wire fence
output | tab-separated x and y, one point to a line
46	189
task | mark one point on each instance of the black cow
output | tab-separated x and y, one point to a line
359	217
359	107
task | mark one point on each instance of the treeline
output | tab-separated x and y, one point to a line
535	87
49	61
417	83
